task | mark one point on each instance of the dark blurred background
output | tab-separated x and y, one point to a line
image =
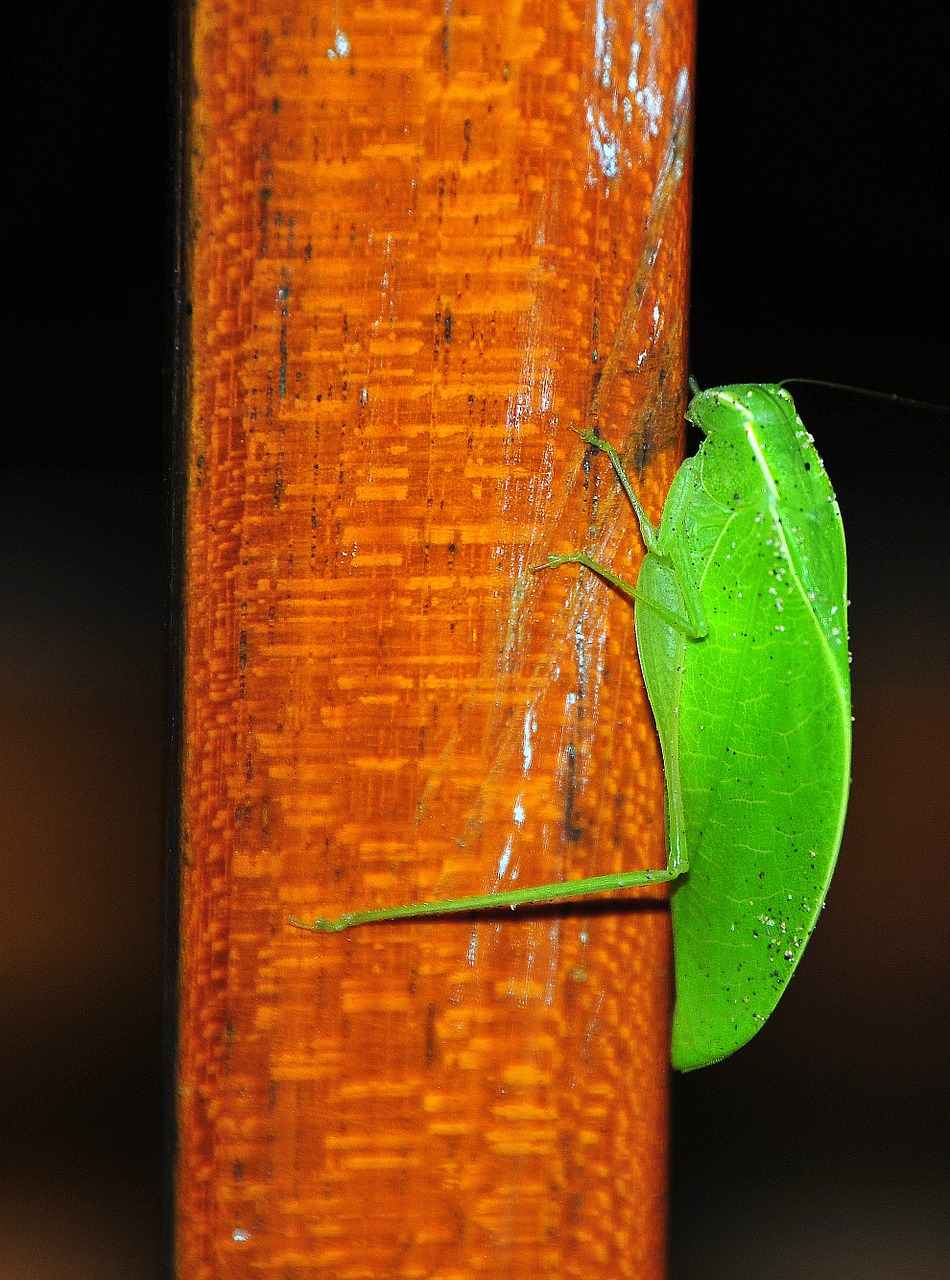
82	602
820	249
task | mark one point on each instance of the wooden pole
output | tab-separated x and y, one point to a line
422	240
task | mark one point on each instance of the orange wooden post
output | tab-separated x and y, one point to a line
422	241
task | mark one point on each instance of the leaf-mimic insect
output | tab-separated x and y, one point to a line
742	636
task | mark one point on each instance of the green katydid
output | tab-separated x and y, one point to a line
742	636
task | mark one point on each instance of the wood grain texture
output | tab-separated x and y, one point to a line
423	239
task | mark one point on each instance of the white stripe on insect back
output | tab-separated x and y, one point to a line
748	420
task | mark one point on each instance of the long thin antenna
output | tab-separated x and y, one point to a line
891	397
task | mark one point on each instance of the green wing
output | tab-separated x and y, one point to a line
763	758
764	792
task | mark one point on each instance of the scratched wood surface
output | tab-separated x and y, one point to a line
422	240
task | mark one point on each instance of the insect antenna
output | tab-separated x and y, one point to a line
889	396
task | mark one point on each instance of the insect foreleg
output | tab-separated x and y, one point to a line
663	541
648	530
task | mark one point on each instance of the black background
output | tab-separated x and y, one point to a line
820	231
